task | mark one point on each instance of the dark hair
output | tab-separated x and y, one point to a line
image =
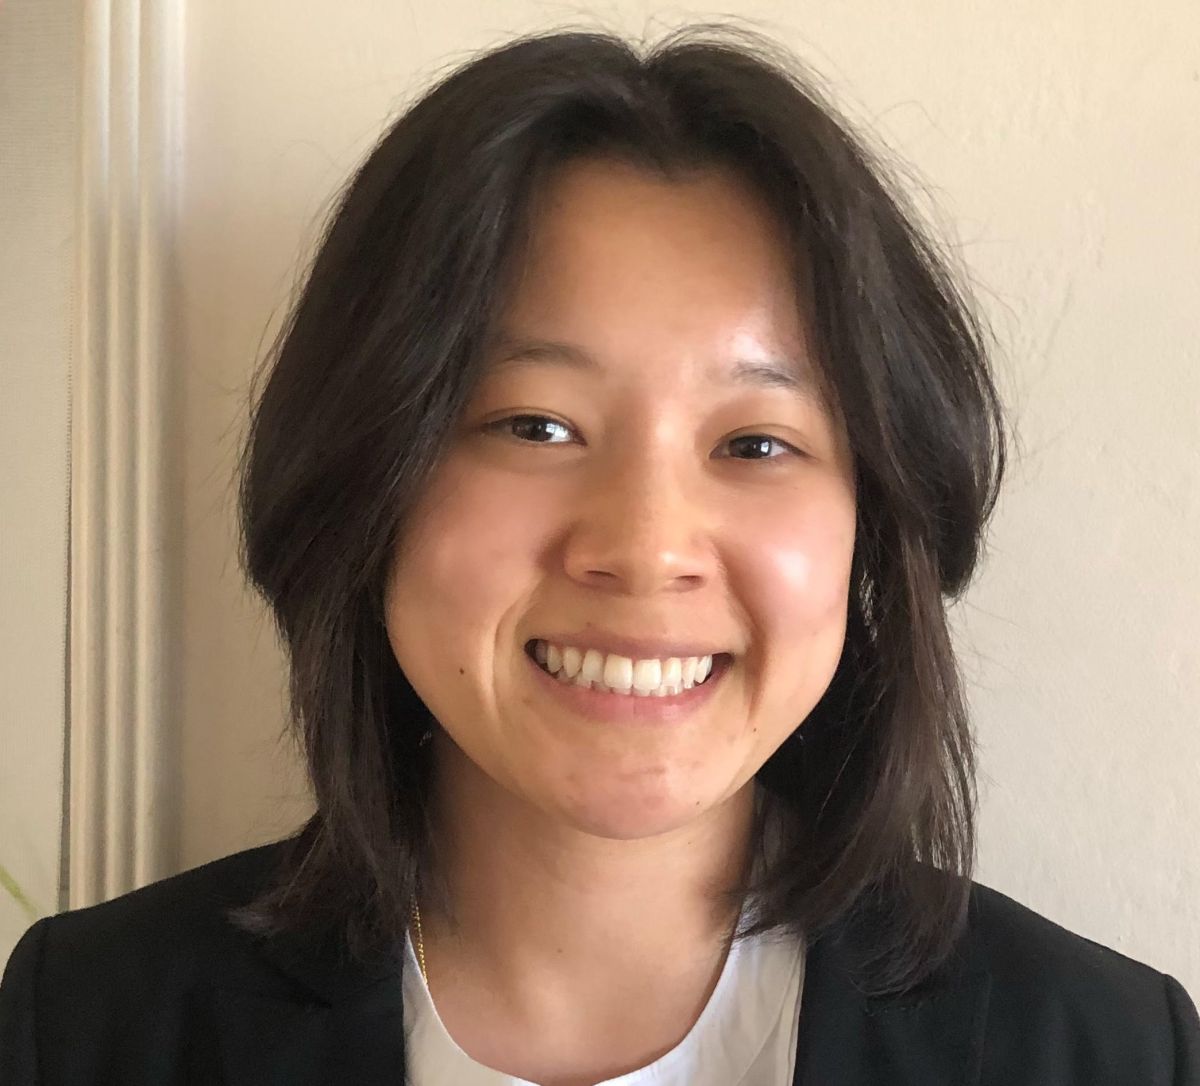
875	793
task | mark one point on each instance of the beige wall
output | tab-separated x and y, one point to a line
38	140
1060	143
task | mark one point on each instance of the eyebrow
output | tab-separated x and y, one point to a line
506	351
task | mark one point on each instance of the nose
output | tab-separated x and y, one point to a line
641	527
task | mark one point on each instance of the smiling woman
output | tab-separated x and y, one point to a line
645	524
608	486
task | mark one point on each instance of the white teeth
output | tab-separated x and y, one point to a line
593	668
621	675
572	661
618	673
646	675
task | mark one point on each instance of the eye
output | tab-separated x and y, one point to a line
524	427
519	425
759	442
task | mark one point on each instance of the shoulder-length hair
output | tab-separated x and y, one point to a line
874	790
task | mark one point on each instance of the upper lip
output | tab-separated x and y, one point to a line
636	648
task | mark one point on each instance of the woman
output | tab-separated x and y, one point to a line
608	485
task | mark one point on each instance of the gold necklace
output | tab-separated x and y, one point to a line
420	942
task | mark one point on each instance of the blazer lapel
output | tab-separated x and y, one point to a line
934	1038
330	1020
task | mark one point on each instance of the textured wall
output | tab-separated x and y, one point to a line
1058	145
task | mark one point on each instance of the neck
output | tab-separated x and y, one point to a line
539	912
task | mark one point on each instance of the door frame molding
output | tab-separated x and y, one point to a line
121	816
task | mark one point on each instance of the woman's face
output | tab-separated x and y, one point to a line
653	497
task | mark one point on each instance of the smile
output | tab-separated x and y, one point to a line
662	703
616	674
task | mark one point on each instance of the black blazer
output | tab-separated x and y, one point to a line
156	987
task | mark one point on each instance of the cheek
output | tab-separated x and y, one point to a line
797	574
469	554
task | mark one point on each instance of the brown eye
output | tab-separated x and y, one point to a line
526	427
758	445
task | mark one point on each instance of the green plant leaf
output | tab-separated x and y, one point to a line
17	894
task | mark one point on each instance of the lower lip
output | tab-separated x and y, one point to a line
630	708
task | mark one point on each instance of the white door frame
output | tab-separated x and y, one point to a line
122	796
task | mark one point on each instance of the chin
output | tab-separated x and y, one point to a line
631	815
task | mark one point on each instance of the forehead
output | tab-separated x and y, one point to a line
603	221
507	351
622	262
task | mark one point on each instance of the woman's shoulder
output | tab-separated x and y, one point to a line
191	901
166	930
1050	983
123	975
1019	944
1021	999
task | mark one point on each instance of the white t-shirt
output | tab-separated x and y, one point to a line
745	1036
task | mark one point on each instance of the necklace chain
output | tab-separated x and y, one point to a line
420	941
